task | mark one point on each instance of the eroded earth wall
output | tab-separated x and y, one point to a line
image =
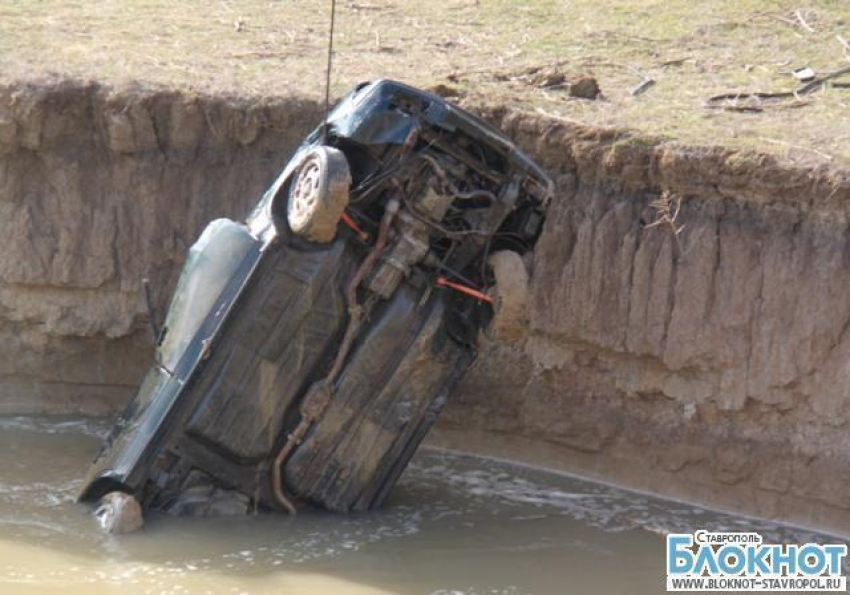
712	366
97	191
715	370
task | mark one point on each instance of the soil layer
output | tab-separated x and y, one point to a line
709	365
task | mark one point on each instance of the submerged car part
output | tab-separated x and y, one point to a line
307	352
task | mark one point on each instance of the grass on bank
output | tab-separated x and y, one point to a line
484	48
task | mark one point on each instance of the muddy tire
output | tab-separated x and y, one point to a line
319	194
510	297
118	512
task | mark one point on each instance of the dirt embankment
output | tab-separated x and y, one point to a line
710	367
715	371
97	191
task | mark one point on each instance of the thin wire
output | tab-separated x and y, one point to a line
328	74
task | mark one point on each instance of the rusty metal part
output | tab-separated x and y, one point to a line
312	407
446	232
277	479
456	192
470	161
368	264
412	240
409	143
355	311
480	193
321	392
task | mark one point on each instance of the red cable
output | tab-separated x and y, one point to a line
443	282
346	218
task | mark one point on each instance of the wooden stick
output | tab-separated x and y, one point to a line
803	22
846	45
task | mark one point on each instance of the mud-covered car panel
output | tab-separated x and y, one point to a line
402	369
293	314
135	441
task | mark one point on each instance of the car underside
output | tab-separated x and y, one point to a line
307	352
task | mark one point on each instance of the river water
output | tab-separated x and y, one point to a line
455	525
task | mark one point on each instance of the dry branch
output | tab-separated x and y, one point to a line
759	101
667	208
846	45
801	19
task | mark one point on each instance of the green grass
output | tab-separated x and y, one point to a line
481	47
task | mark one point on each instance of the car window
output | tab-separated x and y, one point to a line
211	263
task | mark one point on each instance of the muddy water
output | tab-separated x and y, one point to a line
455	525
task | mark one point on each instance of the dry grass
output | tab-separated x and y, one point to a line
692	49
667	209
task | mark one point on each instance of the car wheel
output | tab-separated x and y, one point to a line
118	512
319	194
510	300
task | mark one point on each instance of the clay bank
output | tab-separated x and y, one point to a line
709	365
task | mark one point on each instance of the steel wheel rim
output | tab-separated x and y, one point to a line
306	190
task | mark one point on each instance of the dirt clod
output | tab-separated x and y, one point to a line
548	78
446	91
584	87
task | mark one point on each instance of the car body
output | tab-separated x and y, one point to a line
306	369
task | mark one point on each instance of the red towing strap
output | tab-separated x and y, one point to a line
443	282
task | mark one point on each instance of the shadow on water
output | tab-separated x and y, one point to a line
455	524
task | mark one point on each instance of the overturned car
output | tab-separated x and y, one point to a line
307	352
